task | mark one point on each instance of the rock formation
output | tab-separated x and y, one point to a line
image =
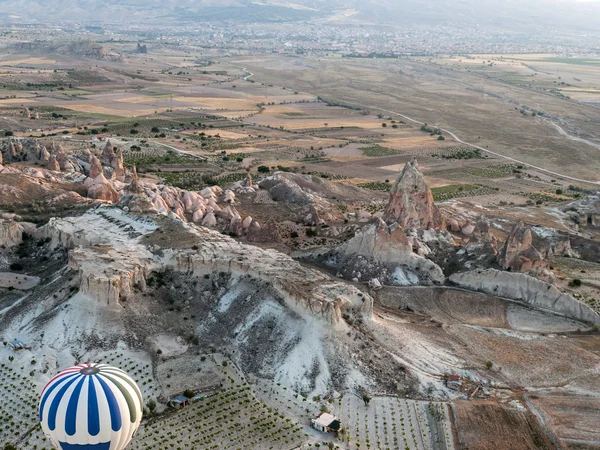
390	247
109	277
519	286
108	153
102	189
518	253
11	233
95	167
117	164
411	201
53	164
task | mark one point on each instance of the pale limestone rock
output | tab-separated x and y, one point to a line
229	196
522	287
390	246
209	220
246	222
453	225
518	253
467	229
102	189
411	201
117	165
95	167
108	153
197	216
53	164
11	233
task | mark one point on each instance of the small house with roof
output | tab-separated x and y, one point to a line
181	401
17	345
327	423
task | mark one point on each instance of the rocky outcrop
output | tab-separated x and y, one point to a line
53	164
388	247
102	189
11	233
411	201
108	153
518	253
106	249
521	287
95	167
301	192
117	165
269	232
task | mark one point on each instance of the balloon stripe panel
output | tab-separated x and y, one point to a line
49	391
104	446
56	402
93	412
113	406
128	380
71	417
127	395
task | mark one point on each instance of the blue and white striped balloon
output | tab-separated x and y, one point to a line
91	407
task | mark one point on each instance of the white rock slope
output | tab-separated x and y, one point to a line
518	286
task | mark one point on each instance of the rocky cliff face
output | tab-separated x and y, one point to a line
518	253
11	233
411	201
107	250
518	286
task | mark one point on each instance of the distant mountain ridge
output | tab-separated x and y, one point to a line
506	13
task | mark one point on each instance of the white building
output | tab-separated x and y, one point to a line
326	423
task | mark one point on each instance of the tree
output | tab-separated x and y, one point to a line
441	138
263	169
189	393
384	125
151	405
366	398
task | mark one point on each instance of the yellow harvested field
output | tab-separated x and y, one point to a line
301	124
16	62
394	167
279	110
137	99
112	111
223	133
238	104
236	114
411	142
16	101
245	150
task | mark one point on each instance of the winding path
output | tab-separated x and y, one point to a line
459	140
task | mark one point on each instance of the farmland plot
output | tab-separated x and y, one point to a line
394	423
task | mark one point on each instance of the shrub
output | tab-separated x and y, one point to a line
576	282
16	266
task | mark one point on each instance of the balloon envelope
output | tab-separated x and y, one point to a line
91	407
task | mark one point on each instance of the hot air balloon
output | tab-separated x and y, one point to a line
91	407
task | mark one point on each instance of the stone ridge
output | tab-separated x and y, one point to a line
105	247
411	202
518	286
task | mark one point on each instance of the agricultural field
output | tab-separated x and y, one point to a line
387	422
